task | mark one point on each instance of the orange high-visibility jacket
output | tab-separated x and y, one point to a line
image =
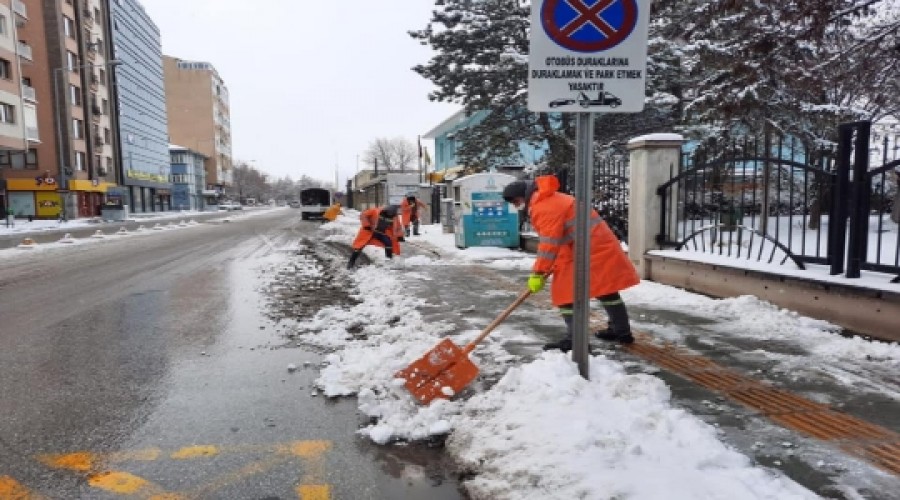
371	219
332	212
407	210
553	217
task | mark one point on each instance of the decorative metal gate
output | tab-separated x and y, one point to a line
759	199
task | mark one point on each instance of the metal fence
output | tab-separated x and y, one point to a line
773	199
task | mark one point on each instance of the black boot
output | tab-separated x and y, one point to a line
564	345
353	257
619	329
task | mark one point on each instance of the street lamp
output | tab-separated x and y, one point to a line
64	106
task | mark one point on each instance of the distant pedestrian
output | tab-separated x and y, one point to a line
553	217
410	208
381	227
332	212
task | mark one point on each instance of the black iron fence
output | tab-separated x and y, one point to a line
775	199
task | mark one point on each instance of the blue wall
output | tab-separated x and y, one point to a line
447	144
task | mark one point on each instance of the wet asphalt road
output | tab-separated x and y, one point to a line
146	366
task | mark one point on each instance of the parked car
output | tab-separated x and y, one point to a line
228	206
294	204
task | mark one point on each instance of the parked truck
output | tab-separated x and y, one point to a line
314	202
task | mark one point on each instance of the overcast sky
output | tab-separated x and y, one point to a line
312	82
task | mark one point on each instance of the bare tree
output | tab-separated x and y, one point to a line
391	155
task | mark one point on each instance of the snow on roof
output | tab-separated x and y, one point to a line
657	137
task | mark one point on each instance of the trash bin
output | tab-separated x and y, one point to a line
731	217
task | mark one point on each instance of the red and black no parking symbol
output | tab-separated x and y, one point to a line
589	25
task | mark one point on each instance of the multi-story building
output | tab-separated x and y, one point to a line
188	178
76	33
140	102
199	116
27	186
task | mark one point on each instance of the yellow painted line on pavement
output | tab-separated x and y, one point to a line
10	489
81	461
314	492
310	449
124	483
195	452
238	475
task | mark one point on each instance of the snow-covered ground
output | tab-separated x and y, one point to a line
149	224
542	431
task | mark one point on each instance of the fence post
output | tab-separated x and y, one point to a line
858	238
837	216
651	157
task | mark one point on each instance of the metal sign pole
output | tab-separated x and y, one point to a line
584	180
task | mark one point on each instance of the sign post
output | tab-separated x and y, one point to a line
586	56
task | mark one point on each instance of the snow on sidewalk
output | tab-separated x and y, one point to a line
541	431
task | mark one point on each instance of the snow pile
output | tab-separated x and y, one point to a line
544	432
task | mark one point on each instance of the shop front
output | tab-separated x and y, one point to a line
35	198
89	196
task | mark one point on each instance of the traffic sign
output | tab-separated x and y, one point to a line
588	55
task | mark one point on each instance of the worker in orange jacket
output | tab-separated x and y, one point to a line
410	207
379	227
553	217
332	212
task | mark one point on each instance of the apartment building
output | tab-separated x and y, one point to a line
199	117
140	102
19	177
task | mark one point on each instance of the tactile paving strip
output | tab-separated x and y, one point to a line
875	444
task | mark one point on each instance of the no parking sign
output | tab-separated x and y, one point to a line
588	55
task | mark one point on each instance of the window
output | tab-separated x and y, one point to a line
98	161
97	15
109	162
7	113
69	27
3	30
80	160
18	161
5	70
71	61
107	136
75	95
77	128
105	106
102	76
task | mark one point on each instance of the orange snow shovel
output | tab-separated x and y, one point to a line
446	369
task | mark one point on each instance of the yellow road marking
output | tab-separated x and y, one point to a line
195	452
310	449
10	489
82	461
314	492
127	484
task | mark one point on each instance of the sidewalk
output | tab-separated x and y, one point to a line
530	425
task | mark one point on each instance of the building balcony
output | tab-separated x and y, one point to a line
98	141
20	9
25	51
29	94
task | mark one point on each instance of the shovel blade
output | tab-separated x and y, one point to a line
441	373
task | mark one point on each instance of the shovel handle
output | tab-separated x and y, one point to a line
499	319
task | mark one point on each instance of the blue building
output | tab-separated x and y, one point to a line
188	179
141	104
447	143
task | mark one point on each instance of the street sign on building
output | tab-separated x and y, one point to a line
588	55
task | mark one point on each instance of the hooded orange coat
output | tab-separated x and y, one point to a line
553	217
406	208
369	218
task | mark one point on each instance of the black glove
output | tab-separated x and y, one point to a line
367	228
401	238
